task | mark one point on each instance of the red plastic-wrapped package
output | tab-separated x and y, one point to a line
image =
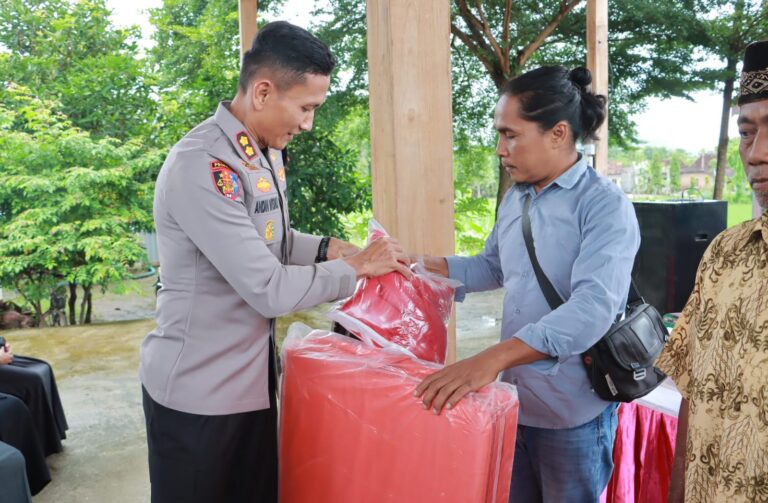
413	313
351	430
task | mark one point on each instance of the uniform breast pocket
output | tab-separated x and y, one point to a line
266	217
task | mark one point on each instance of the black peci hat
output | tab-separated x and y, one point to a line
754	74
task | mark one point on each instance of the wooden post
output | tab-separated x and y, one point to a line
597	62
248	11
411	129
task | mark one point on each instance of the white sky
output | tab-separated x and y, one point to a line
673	123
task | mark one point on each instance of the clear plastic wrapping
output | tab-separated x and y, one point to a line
352	431
392	309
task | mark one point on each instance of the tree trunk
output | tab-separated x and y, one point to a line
722	144
82	304
40	314
88	305
72	303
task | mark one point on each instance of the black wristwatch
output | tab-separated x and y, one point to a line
322	250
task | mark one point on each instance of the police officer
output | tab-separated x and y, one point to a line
231	264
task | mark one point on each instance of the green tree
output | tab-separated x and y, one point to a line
655	170
68	51
675	165
739	190
734	25
508	38
475	182
317	202
194	62
70	204
494	40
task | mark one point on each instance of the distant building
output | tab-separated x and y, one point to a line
621	175
699	173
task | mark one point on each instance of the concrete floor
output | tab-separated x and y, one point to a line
104	458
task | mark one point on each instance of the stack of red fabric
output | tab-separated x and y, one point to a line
352	431
413	314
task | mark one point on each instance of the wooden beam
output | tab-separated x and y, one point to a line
247	14
597	62
411	127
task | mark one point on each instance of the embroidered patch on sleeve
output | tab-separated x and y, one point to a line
246	145
225	180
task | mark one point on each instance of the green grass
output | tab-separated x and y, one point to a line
739	212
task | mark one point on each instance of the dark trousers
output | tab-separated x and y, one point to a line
209	459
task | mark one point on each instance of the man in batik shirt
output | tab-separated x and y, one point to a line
718	352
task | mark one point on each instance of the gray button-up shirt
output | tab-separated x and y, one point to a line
586	237
230	263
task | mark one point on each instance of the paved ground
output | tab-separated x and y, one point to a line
104	458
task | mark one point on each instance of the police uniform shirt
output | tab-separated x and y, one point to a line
230	264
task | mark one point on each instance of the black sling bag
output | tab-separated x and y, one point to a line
620	365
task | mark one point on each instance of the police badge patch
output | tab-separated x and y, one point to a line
269	230
245	144
263	185
225	180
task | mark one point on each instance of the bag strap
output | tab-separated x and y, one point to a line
553	298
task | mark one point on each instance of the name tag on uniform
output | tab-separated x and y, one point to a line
267	205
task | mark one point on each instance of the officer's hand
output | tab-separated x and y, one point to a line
340	249
380	257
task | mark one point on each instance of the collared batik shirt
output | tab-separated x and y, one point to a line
718	356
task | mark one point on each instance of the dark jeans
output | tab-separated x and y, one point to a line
563	465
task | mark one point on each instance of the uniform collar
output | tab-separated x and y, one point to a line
242	141
567	180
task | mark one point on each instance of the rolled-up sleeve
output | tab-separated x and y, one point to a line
599	281
480	272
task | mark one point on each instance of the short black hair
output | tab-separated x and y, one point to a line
289	51
550	94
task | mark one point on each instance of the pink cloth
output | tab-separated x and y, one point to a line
642	455
352	431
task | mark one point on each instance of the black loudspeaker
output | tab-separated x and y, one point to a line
674	236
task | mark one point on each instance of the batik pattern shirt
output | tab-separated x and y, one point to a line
718	356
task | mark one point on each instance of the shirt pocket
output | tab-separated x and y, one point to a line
267	218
